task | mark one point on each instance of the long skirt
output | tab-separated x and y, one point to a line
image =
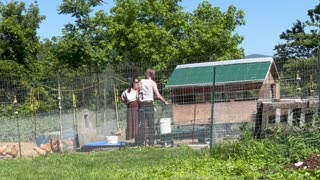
132	120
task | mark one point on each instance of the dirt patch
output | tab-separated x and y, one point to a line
310	163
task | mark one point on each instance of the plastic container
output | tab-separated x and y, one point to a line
165	125
112	139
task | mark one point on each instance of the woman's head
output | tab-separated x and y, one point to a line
151	73
135	83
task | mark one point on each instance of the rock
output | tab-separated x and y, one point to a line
298	164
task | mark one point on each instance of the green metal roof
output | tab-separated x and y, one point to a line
233	71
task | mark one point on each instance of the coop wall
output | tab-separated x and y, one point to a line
233	102
269	89
226	112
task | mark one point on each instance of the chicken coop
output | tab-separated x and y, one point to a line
237	85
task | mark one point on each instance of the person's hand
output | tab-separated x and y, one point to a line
166	103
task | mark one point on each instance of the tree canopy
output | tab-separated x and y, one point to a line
303	39
19	41
146	32
161	32
156	32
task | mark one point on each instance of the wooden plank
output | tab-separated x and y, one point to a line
285	105
278	107
265	118
314	118
278	116
278	91
290	117
302	117
313	103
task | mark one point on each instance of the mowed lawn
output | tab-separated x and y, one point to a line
156	163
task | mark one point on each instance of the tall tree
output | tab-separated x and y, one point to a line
84	42
303	39
145	31
19	45
159	32
152	32
18	32
211	32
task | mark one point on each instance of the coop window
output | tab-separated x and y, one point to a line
224	96
184	99
236	96
200	98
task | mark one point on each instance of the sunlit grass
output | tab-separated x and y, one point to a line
245	159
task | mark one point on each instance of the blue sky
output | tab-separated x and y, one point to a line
265	19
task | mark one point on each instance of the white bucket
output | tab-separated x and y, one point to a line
165	125
112	139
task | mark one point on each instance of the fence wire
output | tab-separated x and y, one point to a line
81	108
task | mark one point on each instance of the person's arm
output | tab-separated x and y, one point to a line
123	97
156	91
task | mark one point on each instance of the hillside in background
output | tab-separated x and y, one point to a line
256	56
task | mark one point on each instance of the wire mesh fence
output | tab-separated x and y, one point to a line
84	111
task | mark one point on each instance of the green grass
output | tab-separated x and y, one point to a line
144	163
246	159
182	163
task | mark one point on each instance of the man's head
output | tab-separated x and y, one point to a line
151	73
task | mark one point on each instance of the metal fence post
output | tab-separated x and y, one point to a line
60	107
318	83
15	104
212	136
